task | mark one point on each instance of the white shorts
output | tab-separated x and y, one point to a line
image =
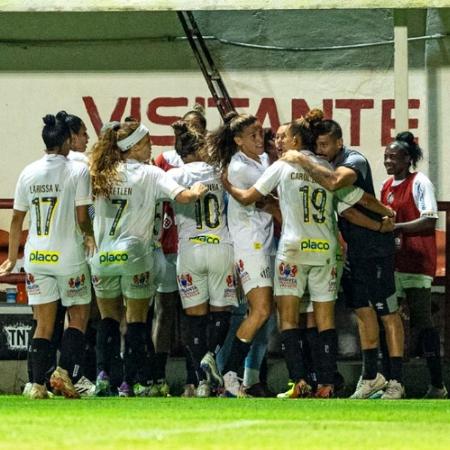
139	286
166	280
72	289
293	279
411	281
255	271
205	273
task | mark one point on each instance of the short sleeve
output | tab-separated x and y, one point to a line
20	195
270	179
424	196
83	195
166	185
349	195
356	162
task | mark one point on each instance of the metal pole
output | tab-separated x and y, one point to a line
401	70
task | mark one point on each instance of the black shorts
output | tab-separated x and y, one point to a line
370	282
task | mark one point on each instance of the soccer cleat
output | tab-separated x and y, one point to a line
141	391
203	390
209	366
60	381
102	385
433	392
324	391
300	389
394	391
189	390
38	392
365	388
259	390
125	390
27	389
232	385
160	389
85	387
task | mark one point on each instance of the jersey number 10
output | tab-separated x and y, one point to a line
207	209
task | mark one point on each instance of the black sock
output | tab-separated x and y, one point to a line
313	351
159	369
328	344
56	340
72	353
114	346
431	346
191	377
106	329
196	342
238	353
30	340
385	359
263	370
90	364
135	350
40	353
218	325
370	366
146	373
396	363
292	352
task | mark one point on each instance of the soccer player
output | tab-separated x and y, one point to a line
205	264
79	136
306	256
167	299
126	189
371	291
238	145
55	191
411	194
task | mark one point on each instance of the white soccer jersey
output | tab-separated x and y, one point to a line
78	156
309	220
50	189
251	229
123	223
202	222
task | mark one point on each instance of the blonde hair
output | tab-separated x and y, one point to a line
106	156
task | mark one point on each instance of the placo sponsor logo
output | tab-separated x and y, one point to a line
44	257
108	258
314	245
205	239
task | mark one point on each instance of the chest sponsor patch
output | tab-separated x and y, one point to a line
314	245
44	257
205	239
109	258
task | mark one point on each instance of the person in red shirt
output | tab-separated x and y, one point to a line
411	194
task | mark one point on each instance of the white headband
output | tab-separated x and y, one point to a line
133	138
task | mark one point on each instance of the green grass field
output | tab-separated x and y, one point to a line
113	423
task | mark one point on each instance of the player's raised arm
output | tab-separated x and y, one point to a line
243	196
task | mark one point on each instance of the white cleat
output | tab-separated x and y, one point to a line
434	392
38	392
209	366
85	387
27	389
203	390
366	388
394	391
232	385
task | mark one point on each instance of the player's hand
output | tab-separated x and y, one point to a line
199	189
387	225
89	246
293	156
7	267
392	213
224	177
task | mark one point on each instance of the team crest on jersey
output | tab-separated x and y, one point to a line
167	222
77	286
186	285
205	239
32	287
141	280
390	198
286	275
243	274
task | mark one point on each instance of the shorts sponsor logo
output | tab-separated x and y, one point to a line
109	258
243	274
77	286
230	290
32	287
266	273
257	245
314	245
185	283
205	239
286	275
44	257
141	279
